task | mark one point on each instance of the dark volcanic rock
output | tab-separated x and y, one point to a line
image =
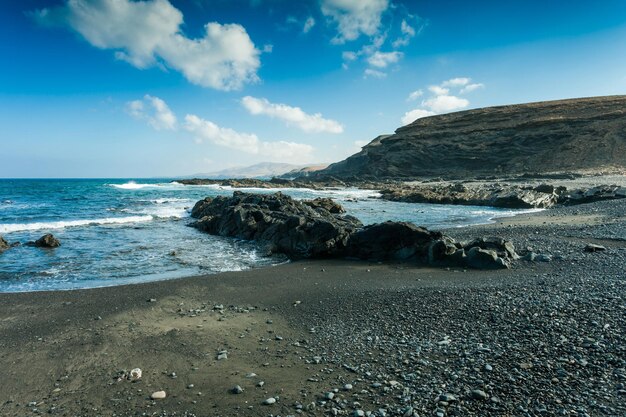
533	138
391	241
4	245
288	226
325	204
47	241
493	195
316	229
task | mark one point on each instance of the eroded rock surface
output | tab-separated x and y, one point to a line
295	228
317	229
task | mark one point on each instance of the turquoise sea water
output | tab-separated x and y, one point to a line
123	231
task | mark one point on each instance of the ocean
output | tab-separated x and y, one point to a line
122	231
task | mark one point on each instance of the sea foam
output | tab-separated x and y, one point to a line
19	227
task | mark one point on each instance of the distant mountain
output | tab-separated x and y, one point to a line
575	135
303	171
262	170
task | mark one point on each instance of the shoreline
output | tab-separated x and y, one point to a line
309	327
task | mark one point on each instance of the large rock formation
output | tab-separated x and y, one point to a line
298	229
500	195
554	136
317	229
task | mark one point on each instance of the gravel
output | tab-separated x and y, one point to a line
548	340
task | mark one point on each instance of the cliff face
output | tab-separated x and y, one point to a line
534	138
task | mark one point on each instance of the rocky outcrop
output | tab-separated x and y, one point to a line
47	241
4	245
500	194
532	139
589	195
318	229
391	241
283	224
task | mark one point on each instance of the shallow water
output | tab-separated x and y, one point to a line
122	231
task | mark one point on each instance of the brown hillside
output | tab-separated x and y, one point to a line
534	138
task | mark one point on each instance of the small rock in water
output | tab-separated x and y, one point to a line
47	241
269	401
158	395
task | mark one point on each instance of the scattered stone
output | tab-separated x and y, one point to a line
158	395
269	401
591	247
135	374
237	389
478	395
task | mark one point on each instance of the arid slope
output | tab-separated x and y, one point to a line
587	134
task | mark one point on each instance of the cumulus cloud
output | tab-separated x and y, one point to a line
354	17
438	90
471	87
205	130
445	103
293	116
456	82
411	116
441	99
154	110
147	33
383	59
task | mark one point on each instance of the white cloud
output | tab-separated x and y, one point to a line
415	95
205	130
308	24
441	100
445	103
147	33
372	73
354	17
471	87
438	90
408	32
383	59
456	82
411	116
349	55
154	110
293	116
268	48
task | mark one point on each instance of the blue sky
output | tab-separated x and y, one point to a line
121	88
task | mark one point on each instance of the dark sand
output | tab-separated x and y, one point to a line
372	324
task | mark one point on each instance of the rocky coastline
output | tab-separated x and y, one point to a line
319	229
520	192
